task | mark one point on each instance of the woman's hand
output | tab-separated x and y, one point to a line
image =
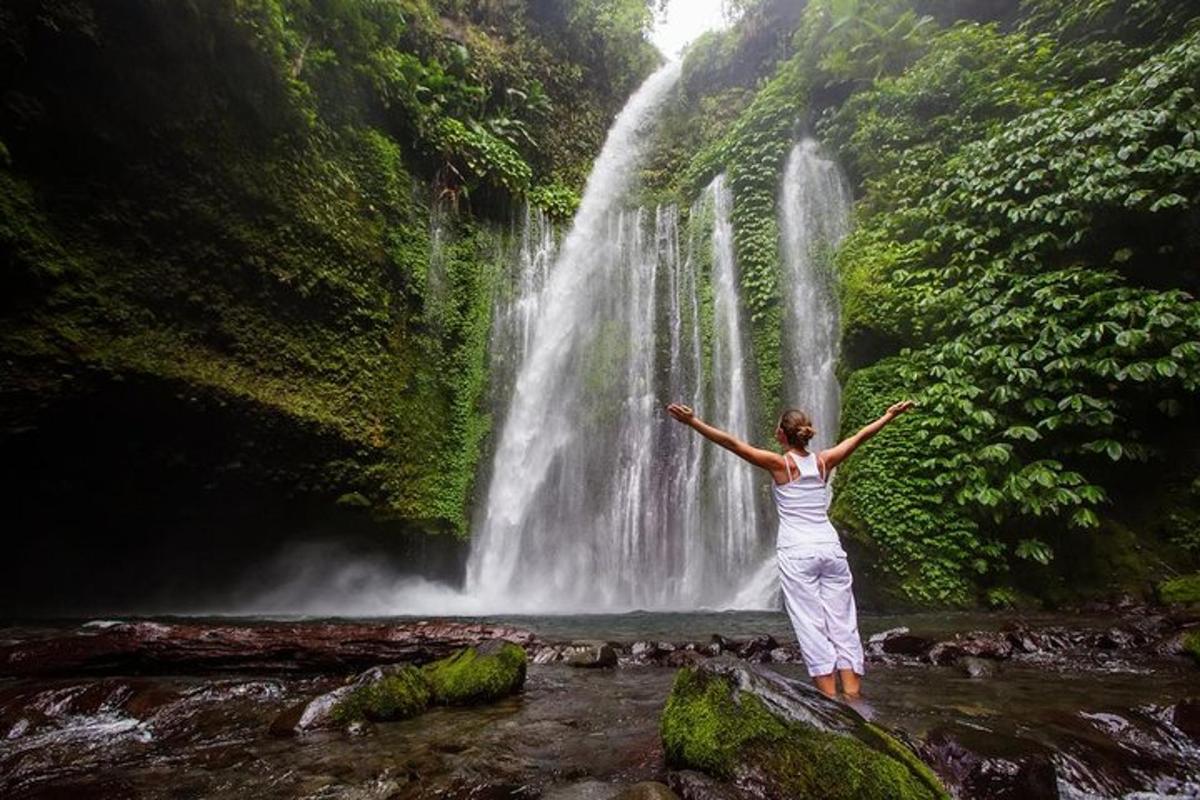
896	409
682	413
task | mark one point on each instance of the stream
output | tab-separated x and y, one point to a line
1080	722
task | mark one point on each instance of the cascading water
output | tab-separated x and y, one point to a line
733	518
519	299
814	208
551	514
814	216
597	500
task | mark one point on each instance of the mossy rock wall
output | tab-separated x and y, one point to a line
230	208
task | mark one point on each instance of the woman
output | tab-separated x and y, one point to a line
813	571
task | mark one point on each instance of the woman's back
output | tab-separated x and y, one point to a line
803	505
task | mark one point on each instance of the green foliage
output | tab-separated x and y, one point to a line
260	236
1130	22
1043	346
477	675
709	725
924	541
484	155
753	154
1184	589
857	41
967	85
557	200
397	693
1182	517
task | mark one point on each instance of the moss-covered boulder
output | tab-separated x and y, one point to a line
384	693
480	674
1191	645
1182	590
776	738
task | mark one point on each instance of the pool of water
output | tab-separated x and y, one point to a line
572	733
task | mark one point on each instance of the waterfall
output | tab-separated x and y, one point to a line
520	290
814	208
597	500
552	515
737	528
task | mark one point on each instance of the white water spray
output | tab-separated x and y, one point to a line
814	208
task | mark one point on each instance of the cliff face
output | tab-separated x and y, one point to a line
250	245
1025	178
250	249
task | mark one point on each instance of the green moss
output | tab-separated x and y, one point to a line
397	694
260	236
477	674
1184	589
1191	645
707	725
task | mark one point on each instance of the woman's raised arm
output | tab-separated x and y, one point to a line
772	462
842	450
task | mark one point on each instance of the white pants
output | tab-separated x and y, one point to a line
817	592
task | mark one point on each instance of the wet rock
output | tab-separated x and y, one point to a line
382	694
1030	776
784	655
287	722
775	737
898	642
358	728
477	674
647	790
317	714
546	655
683	658
1149	626
1174	644
151	647
1186	717
1025	641
589	654
692	785
1127	602
758	649
981	644
718	644
643	650
974	667
1117	639
147	699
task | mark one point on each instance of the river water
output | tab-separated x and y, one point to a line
1102	718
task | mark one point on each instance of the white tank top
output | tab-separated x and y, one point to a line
803	505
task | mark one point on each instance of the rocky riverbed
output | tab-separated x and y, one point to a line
1076	706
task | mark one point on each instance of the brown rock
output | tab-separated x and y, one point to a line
1186	717
152	647
647	790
